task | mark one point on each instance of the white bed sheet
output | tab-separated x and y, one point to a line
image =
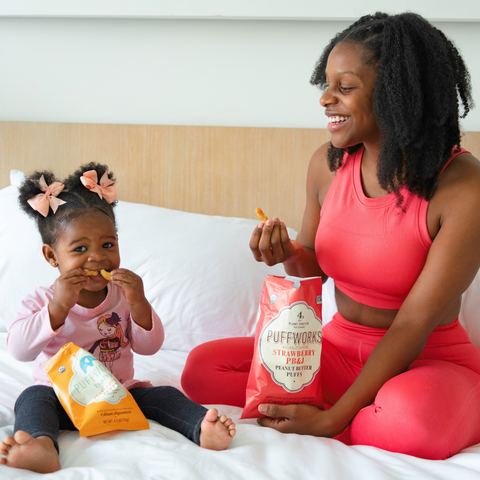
256	452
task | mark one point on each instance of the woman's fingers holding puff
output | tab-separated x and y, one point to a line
255	240
270	242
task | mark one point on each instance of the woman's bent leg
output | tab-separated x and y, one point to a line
431	411
217	372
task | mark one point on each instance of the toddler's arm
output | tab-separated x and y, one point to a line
31	330
131	286
146	330
147	342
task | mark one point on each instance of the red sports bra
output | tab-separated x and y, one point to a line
372	249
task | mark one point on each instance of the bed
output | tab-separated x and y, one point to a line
185	215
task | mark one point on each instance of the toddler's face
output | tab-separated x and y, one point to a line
89	242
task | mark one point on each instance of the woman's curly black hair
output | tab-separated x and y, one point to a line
78	198
420	83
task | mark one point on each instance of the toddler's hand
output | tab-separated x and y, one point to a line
132	288
65	295
130	284
67	288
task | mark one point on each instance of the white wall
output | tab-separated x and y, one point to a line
177	71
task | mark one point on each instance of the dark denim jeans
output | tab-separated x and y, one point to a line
38	411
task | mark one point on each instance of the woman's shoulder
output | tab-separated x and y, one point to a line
320	177
458	188
463	172
320	156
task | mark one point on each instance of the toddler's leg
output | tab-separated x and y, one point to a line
217	372
171	408
431	411
37	420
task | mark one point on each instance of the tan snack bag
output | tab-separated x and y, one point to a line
93	398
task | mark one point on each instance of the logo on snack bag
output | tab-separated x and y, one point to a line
290	346
93	382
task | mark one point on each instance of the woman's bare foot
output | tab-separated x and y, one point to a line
34	454
216	432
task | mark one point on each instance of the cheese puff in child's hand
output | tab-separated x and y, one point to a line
106	275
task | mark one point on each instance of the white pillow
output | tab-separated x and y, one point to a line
198	271
470	311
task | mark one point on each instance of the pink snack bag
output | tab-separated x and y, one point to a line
288	344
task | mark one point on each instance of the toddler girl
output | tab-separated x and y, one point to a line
77	224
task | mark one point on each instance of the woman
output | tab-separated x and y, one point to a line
392	215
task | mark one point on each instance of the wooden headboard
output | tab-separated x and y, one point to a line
212	170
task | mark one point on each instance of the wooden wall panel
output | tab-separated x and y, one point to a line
211	170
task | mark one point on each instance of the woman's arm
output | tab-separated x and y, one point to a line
451	265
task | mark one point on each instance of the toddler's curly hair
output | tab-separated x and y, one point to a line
78	198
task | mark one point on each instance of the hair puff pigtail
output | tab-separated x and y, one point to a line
47	226
84	199
30	187
74	184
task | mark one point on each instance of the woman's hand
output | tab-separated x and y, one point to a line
131	286
271	244
301	419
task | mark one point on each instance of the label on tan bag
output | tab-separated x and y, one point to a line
290	346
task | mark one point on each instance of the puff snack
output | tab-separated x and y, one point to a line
261	215
93	273
106	275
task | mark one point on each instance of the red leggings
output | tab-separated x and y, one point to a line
430	411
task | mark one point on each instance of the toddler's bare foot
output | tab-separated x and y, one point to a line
216	432
34	454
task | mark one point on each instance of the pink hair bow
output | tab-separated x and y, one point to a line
43	201
103	189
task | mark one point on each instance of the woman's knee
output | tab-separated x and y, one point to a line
422	412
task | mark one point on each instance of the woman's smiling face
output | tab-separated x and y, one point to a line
348	99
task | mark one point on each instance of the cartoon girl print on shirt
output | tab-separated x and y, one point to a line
110	328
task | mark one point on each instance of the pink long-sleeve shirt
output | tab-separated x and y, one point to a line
31	336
